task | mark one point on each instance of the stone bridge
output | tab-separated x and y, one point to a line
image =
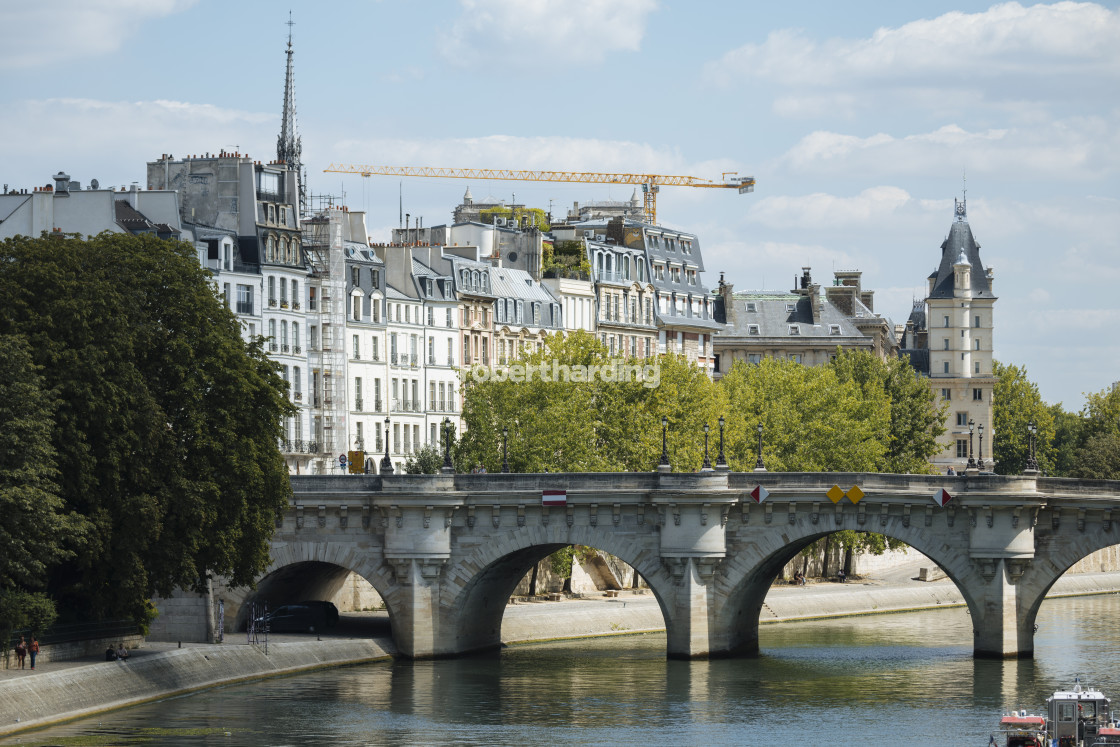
446	551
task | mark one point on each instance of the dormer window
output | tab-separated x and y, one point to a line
834	329
752	306
790	308
753	329
794	329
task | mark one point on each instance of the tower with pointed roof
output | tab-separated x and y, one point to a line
959	327
289	150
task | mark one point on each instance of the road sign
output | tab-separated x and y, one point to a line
854	494
942	497
835	493
342	459
759	493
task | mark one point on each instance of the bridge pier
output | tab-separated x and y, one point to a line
1001	627
687	625
1001	548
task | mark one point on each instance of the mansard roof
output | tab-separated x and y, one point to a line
960	240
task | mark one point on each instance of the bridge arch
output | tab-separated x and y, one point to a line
310	570
475	593
758	559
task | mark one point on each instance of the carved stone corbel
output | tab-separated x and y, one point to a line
1106	519
707	567
990	517
1081	520
972	516
365	517
676	513
815	514
641	514
1056	517
1015	516
792	512
593	514
768	512
861	514
470	516
839	514
906	515
884	512
571	517
1016	568
299	517
544	515
704	513
428	516
343	518
322	517
449	516
616	514
383	519
724	510
521	514
929	516
745	513
987	567
675	567
950	515
496	515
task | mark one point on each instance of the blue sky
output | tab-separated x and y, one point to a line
857	119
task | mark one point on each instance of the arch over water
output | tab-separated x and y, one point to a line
473	602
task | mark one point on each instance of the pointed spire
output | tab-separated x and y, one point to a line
288	146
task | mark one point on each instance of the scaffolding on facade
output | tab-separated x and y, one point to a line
322	241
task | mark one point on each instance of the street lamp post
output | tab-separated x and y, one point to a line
448	466
1032	462
663	465
707	467
386	462
721	460
971	427
759	466
505	454
980	451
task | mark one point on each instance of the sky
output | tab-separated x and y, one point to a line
861	122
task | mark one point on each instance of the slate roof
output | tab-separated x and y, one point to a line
773	317
960	239
421	271
919	359
506	282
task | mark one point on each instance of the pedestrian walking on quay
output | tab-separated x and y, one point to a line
33	650
21	651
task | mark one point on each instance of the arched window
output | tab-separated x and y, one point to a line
295	251
284	332
295	294
295	335
284	256
270	251
272	329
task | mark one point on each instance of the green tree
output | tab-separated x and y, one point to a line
1098	455
812	421
916	421
166	422
1015	403
1069	430
428	460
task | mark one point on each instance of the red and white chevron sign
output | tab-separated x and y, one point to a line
759	493
941	497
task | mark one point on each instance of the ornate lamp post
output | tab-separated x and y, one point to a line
1032	463
707	467
386	462
759	466
448	466
971	461
505	454
663	465
721	460
980	451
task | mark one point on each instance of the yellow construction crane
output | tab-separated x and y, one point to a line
650	183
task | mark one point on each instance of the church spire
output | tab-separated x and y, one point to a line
288	147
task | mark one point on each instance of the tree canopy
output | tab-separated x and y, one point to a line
859	414
164	422
1015	403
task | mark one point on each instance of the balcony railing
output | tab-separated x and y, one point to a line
273	347
284	348
377	405
358	405
299	446
298	396
244	307
272	303
295	305
297	349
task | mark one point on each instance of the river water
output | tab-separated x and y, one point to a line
895	680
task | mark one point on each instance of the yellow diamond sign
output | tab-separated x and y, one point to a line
835	493
855	494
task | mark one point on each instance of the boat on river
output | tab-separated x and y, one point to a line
1074	718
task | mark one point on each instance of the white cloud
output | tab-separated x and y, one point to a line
512	152
1008	51
59	31
1073	148
545	32
826	211
112	140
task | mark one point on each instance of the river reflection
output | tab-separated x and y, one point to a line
875	680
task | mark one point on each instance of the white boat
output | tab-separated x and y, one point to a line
1074	718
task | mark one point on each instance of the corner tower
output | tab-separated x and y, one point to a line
960	326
